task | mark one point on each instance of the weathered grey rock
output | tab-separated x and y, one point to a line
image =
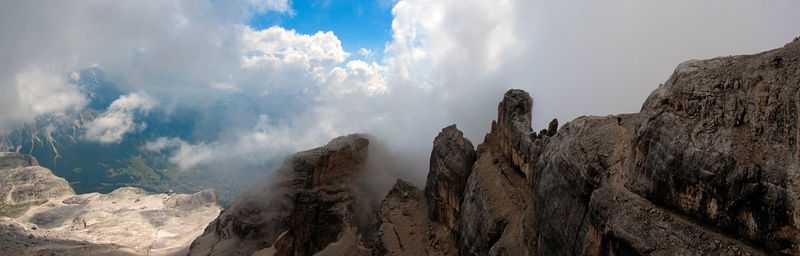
584	155
11	160
497	195
552	128
622	223
302	208
450	165
719	142
513	128
25	184
404	226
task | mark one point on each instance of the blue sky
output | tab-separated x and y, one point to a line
357	23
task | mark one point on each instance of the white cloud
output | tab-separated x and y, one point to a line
184	154
263	138
277	46
118	119
75	76
43	93
357	75
365	52
162	143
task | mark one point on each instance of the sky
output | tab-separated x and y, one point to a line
399	70
359	24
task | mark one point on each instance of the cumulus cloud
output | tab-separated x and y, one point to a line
118	119
162	143
357	75
35	91
45	93
276	46
365	52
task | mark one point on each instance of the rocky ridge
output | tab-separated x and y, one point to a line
306	207
41	215
709	166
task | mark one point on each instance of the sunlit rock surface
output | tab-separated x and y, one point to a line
42	215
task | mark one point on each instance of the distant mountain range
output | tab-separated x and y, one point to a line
56	140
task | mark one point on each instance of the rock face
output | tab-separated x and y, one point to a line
719	142
405	227
304	207
581	157
43	213
451	163
25	184
497	195
708	167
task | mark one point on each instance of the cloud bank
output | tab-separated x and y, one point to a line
40	93
118	119
448	62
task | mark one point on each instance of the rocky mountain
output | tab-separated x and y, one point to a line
709	166
40	214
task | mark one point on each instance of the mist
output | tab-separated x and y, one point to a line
448	62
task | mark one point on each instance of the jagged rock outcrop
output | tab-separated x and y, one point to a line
513	131
304	207
450	166
497	194
42	212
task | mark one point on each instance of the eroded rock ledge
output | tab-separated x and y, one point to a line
709	166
